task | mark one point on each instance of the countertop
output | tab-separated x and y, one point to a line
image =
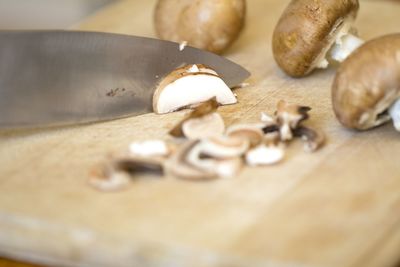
339	206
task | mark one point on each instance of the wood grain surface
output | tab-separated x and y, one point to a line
337	207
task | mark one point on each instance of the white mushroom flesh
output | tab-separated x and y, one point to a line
229	167
193	89
193	69
344	46
226	167
207	126
149	148
115	180
224	147
182	45
394	113
264	155
267	118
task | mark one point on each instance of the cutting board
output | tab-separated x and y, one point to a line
337	207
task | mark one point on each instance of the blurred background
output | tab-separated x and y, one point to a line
45	14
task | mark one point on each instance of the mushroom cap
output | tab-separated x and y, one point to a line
206	24
368	83
306	31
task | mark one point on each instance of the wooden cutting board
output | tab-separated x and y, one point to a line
337	207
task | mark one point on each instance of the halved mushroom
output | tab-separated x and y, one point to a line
190	85
366	89
310	32
264	155
211	25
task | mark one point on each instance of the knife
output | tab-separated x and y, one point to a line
67	77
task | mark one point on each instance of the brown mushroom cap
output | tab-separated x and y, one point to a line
368	83
206	24
306	31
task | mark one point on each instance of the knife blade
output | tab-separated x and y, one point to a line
69	77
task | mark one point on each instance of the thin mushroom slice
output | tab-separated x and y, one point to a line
253	133
180	166
118	173
188	86
203	127
199	157
313	139
223	147
106	178
203	109
150	148
264	155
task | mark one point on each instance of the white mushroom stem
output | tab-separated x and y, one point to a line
344	46
394	112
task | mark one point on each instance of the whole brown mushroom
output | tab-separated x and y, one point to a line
312	32
366	89
210	25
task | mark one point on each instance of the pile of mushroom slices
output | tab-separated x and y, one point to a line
204	149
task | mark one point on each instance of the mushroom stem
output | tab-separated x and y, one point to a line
394	112
344	46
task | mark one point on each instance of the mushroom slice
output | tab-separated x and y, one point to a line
223	147
203	127
367	84
264	155
150	148
308	29
180	165
253	133
199	157
313	139
205	108
229	167
107	178
117	174
188	86
289	117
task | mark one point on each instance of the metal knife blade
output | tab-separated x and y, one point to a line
68	77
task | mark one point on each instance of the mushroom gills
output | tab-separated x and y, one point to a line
343	43
383	111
